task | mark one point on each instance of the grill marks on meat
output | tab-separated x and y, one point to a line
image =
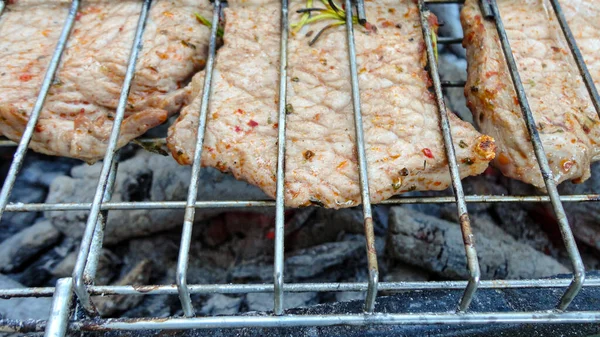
567	123
78	115
404	144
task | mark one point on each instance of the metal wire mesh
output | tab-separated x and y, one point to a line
82	281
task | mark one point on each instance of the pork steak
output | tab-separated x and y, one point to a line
404	144
78	115
567	122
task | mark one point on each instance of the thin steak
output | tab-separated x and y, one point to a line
79	111
567	122
404	144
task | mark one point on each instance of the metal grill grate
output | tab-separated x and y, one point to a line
82	281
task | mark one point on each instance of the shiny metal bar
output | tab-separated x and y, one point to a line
61	309
486	9
434	2
461	205
21	326
449	40
154	141
360	12
19	155
103	181
587	78
157	289
150	205
453	84
89	273
362	166
330	320
2	5
278	266
190	209
26	292
563	222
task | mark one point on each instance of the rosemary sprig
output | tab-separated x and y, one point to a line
332	11
208	24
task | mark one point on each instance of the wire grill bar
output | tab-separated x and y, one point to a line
150	205
329	320
563	222
461	205
362	165
300	287
107	166
83	276
19	155
278	263
59	316
190	210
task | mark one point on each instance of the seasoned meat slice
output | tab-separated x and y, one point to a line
79	111
403	140
567	123
582	16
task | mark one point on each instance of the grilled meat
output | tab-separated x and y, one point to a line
568	125
404	144
582	16
78	115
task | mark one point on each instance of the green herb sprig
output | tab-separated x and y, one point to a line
332	11
208	24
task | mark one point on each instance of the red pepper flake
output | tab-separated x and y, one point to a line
25	77
240	111
82	110
270	235
252	123
427	153
491	73
39	128
238	129
78	16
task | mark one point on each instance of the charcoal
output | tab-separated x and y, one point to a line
219	304
437	245
302	264
406	273
264	301
106	271
143	177
112	304
584	216
26	244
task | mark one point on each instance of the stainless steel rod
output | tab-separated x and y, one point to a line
449	40
19	155
362	165
461	205
61	309
149	205
301	287
563	222
2	5
86	242
278	267
330	320
91	265
190	209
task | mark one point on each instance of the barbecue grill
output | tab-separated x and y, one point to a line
81	315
